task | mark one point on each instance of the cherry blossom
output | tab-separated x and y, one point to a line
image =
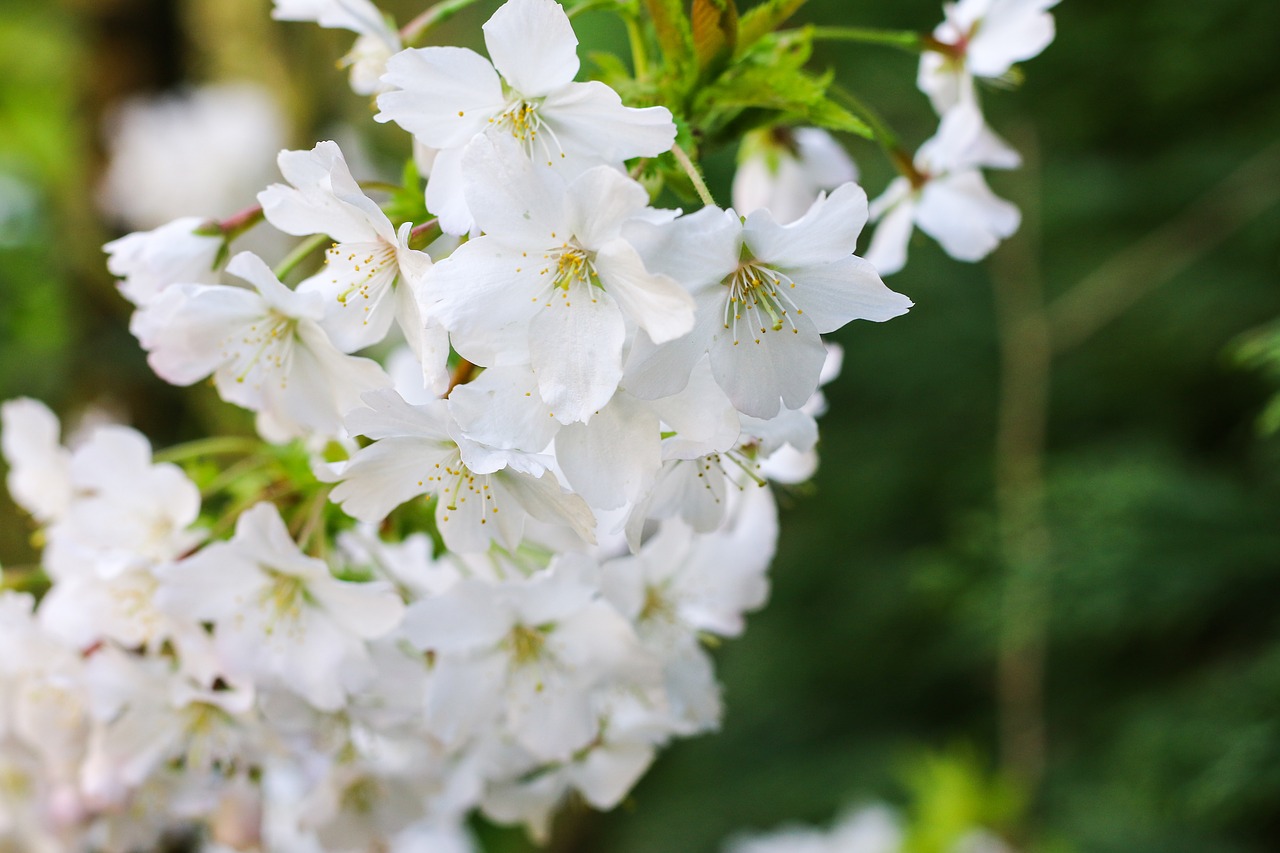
445	96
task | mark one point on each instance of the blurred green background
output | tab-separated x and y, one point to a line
1044	543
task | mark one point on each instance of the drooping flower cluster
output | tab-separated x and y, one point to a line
516	471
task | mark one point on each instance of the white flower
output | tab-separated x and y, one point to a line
370	272
447	95
528	651
553	281
264	347
981	38
199	153
784	170
377	41
482	494
126	512
279	616
948	199
150	261
39	478
147	715
872	829
764	292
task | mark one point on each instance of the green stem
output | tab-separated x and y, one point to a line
589	6
694	175
300	254
437	14
639	53
884	137
422	235
907	40
208	447
314	522
236	224
233	473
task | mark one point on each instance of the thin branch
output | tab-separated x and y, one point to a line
1138	269
694	175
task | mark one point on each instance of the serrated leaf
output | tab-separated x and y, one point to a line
829	115
715	34
764	19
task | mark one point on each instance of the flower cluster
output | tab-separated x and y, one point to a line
515	479
869	829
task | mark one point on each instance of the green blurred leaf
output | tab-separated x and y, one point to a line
764	19
715	34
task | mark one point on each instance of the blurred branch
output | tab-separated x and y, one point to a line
1133	272
1026	357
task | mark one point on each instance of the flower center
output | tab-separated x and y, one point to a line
759	299
526	644
522	121
285	596
268	341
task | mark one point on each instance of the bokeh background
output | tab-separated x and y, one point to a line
1036	582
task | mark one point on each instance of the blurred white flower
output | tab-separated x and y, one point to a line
204	152
784	169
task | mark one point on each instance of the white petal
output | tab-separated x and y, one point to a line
888	249
964	216
610	460
511	198
697	250
358	285
324	199
387	473
445	95
468	617
39	467
359	16
1012	31
657	303
532	45
575	347
446	197
486	285
502	408
366	610
594	127
599	201
654	371
828	231
609	771
759	367
832	294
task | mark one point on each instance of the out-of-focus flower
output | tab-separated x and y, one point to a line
784	169
205	152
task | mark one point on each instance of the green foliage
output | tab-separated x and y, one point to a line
950	794
771	78
763	19
715	34
1260	349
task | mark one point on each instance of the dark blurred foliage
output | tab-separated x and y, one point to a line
1161	499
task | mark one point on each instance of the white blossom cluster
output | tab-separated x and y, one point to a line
588	394
869	829
941	189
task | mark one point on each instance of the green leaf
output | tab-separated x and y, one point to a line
675	36
826	113
715	34
408	203
764	19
